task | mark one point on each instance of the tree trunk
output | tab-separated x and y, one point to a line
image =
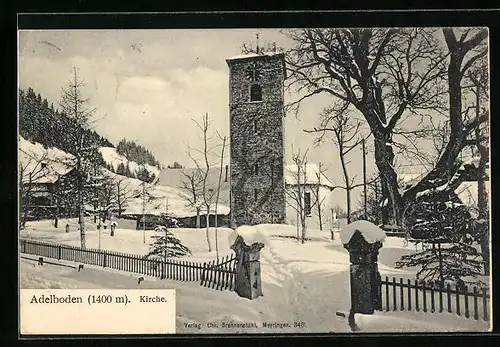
207	230
298	224
303	222
56	217
81	222
319	218
347	183
483	209
198	219
216	235
28	202
384	157
348	202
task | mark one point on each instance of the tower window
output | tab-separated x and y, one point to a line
255	125
255	93
307	203
255	169
255	194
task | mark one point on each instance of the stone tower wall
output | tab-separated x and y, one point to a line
256	129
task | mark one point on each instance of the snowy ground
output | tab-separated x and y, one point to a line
301	282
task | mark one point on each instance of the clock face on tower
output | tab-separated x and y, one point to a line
253	74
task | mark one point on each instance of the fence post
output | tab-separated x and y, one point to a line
424	291
409	295
416	296
59	251
105	260
394	301
387	293
476	313
203	273
448	297
433	306
485	304
466	302
441	289
401	292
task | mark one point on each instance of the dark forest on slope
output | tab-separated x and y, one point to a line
41	122
137	153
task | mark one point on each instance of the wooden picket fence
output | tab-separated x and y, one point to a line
219	275
215	274
401	296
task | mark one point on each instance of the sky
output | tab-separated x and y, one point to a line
149	85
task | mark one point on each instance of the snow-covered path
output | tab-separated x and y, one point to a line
304	285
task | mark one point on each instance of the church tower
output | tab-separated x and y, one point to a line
256	93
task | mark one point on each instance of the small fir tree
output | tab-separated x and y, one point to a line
442	225
165	244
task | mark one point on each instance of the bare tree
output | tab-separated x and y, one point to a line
296	192
74	105
317	195
345	131
108	197
390	75
208	190
31	169
123	194
191	184
223	139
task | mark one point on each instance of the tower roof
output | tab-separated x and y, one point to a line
253	55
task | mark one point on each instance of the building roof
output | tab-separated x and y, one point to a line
311	176
156	200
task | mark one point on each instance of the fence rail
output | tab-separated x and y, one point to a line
218	274
401	296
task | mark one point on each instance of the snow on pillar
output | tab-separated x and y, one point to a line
363	240
247	242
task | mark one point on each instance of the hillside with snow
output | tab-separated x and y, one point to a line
57	163
113	158
33	152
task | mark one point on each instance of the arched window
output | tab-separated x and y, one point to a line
255	93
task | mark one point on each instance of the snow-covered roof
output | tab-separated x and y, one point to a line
46	165
250	235
253	55
467	193
370	231
310	176
156	201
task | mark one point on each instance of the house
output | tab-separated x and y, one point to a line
155	201
44	175
315	191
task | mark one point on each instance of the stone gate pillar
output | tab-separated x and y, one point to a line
363	240
247	242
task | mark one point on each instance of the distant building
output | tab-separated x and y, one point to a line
159	200
315	187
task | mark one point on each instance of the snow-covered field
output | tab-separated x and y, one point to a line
301	282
